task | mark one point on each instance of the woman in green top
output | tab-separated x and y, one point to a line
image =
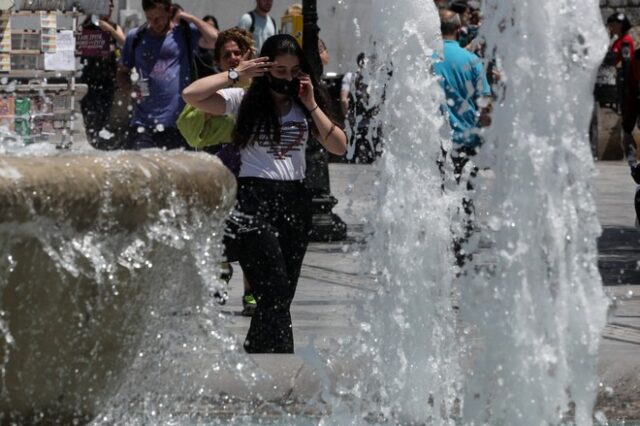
208	133
201	130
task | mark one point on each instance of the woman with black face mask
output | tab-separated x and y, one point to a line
269	231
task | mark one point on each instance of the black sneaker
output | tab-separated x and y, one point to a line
227	272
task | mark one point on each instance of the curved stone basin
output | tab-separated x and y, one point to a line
90	244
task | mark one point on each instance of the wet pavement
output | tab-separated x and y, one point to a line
331	286
619	263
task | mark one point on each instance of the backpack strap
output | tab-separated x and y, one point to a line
137	37
193	72
252	28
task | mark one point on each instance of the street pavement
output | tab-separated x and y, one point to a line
331	287
619	262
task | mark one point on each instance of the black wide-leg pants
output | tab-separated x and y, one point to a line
268	234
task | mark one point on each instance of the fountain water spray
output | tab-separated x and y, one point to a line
532	302
108	266
538	311
414	351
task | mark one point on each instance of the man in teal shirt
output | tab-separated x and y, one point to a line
464	81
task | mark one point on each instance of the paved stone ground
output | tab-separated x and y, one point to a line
619	263
330	285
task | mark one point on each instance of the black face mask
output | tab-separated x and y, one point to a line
284	87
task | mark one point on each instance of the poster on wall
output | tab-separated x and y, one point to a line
94	43
64	58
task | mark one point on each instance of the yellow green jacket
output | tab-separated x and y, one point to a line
201	131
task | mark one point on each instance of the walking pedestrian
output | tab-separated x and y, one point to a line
622	56
360	112
465	35
99	43
206	57
213	133
161	52
259	23
466	89
270	230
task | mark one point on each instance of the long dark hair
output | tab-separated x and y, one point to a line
258	113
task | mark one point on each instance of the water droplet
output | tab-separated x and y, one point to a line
12	263
105	134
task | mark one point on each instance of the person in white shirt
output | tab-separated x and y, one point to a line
269	231
259	23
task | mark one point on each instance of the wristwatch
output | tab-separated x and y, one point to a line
233	75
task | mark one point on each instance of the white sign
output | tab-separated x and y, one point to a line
64	58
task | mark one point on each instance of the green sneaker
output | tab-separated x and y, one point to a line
249	305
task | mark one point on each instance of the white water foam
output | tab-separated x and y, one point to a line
409	335
524	348
540	310
534	309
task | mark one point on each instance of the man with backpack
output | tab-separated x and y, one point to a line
156	64
259	23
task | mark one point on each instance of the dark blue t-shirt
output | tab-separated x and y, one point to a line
164	61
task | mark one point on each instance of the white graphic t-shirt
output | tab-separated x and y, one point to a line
264	158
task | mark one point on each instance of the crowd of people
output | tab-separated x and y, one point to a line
249	95
246	94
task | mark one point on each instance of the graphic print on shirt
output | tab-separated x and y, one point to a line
162	57
163	69
292	134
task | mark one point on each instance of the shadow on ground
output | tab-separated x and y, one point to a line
619	255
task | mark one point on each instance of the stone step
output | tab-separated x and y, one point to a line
622	333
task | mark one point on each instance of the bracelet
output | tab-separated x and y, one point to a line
314	108
333	127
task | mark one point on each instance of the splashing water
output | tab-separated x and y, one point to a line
415	358
543	301
112	295
523	347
